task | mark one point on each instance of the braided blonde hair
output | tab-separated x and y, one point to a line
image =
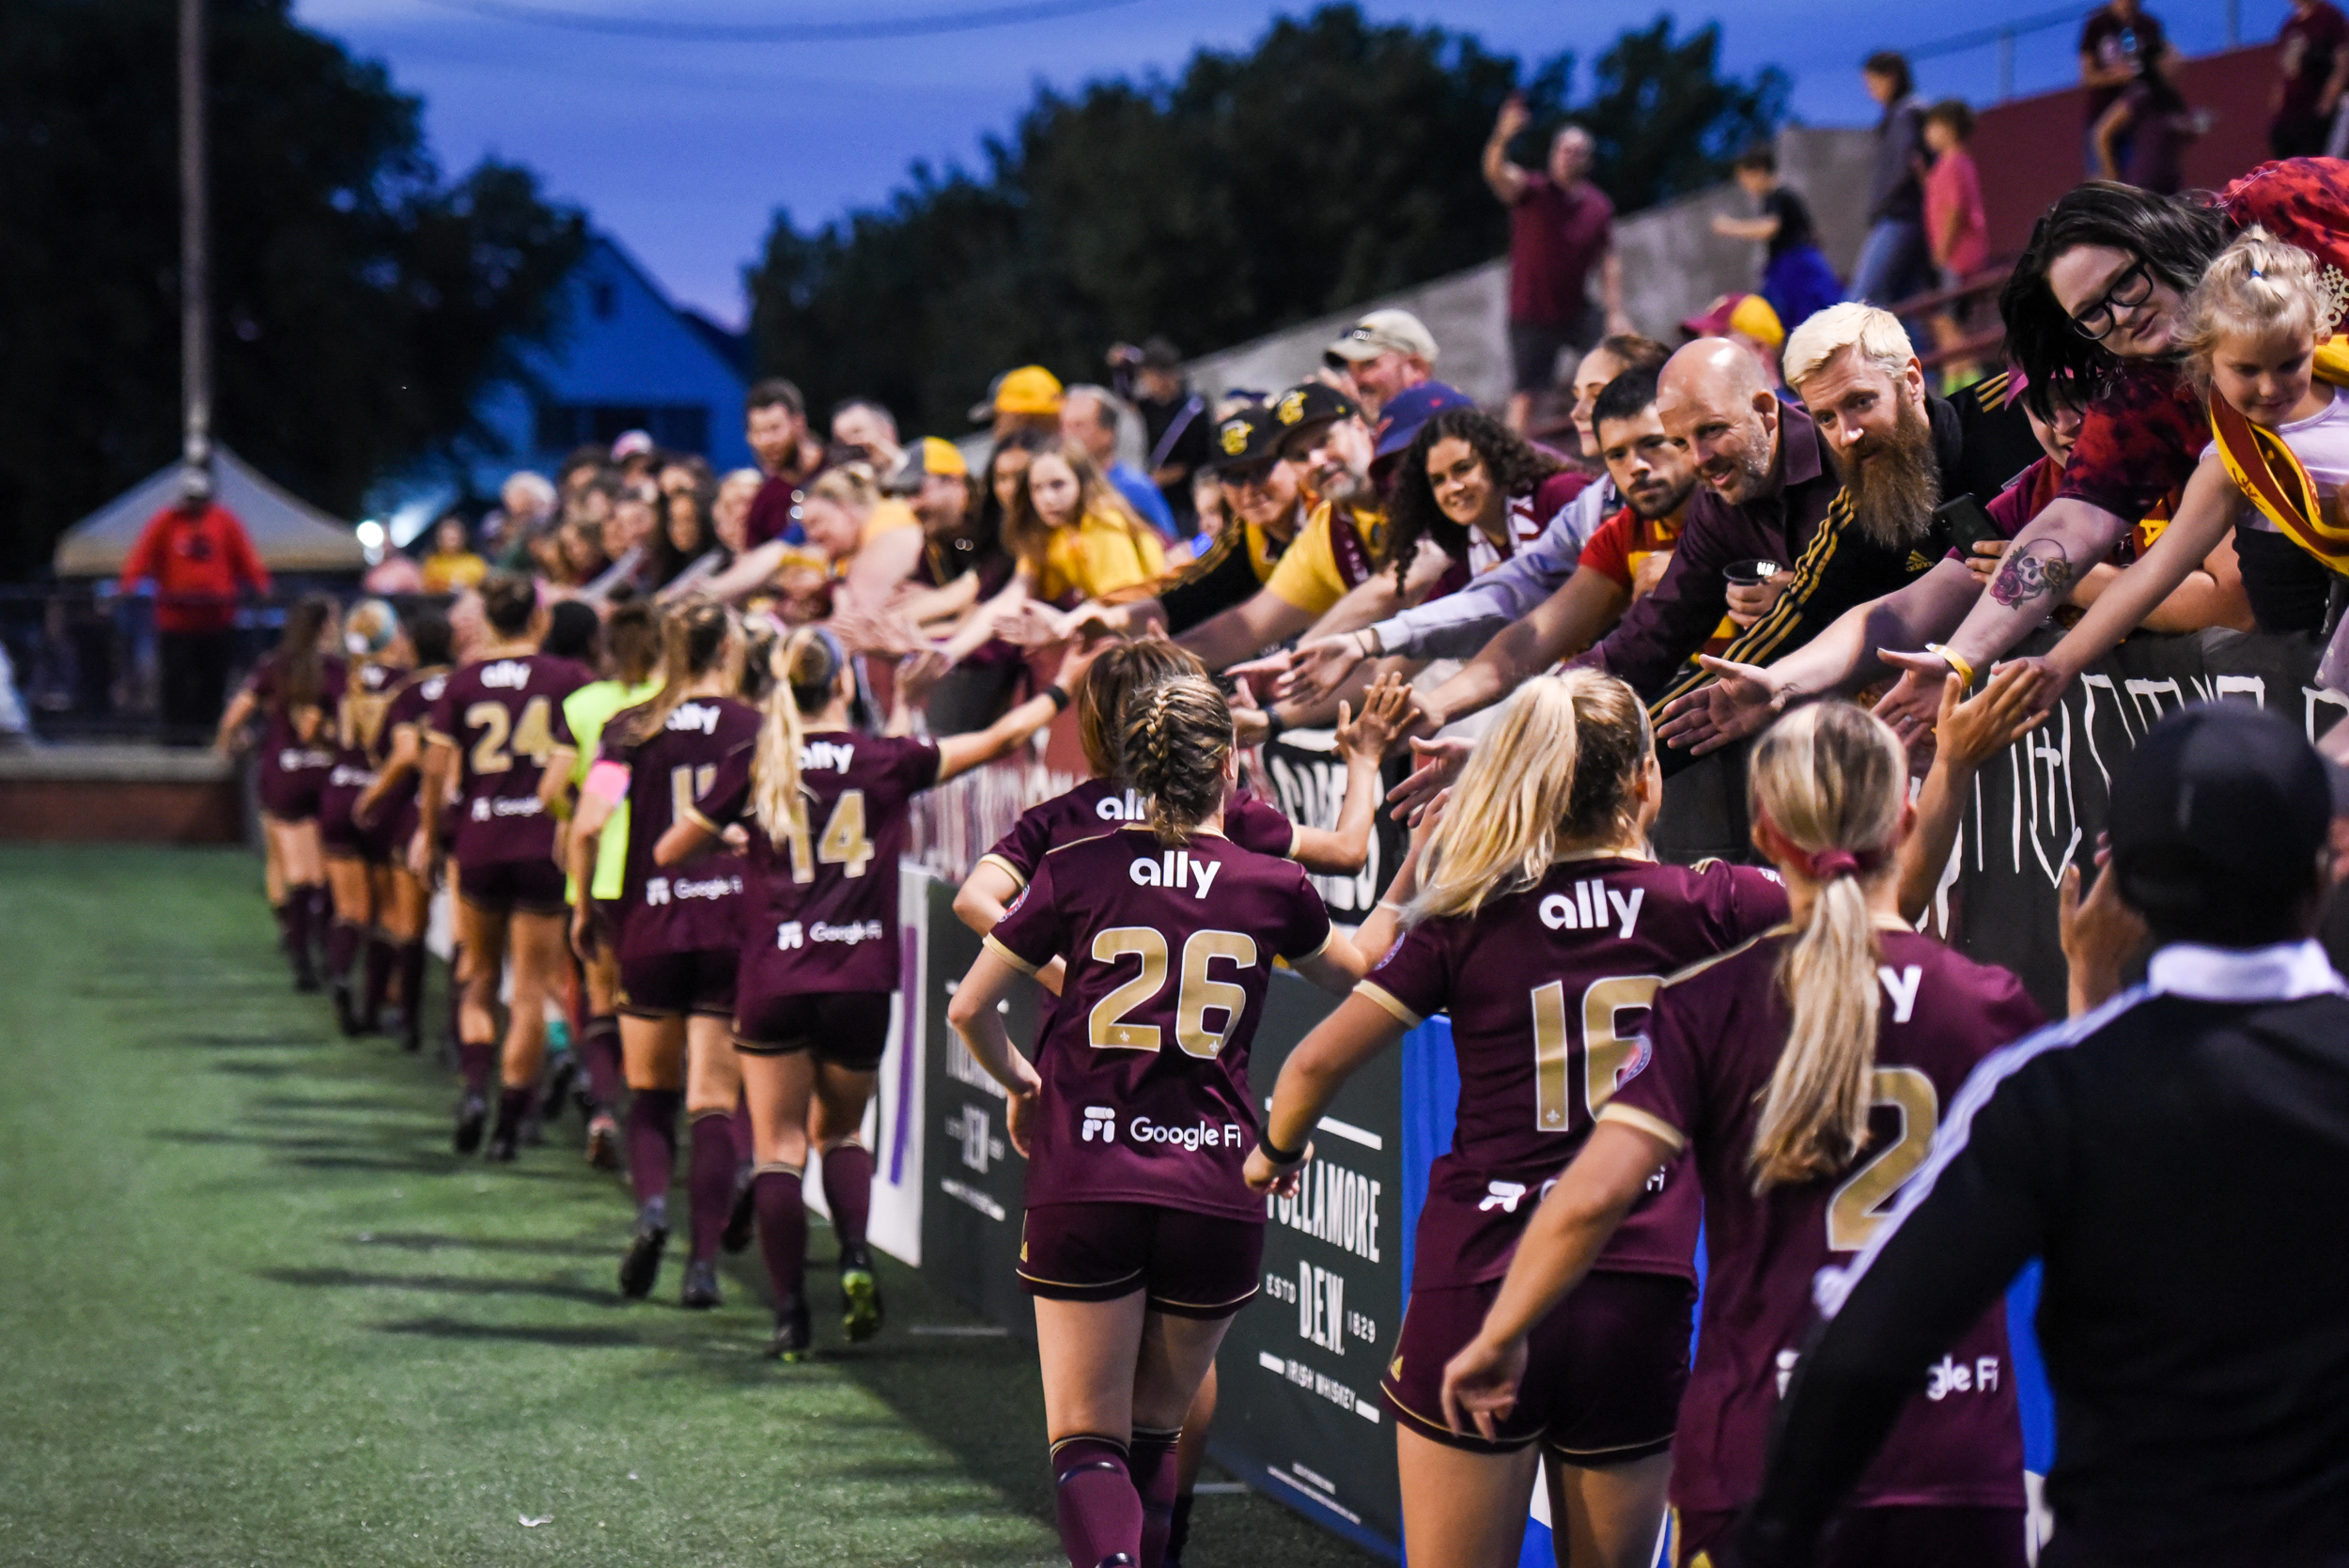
1177	745
2258	284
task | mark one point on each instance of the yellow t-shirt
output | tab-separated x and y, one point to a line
1098	557
887	517
1320	567
449	574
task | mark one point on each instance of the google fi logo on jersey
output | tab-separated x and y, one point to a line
1102	1120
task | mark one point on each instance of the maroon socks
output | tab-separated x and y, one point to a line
652	1141
1154	1474
382	955
412	996
782	1228
848	1190
599	1051
342	946
1099	1513
303	917
513	1105
710	1179
475	1063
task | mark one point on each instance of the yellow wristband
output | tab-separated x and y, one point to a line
1955	660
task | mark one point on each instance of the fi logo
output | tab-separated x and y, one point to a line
1099	1119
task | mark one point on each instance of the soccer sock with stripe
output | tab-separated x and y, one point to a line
1095	1503
848	1190
709	1165
1155	1472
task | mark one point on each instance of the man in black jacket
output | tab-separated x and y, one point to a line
2179	1159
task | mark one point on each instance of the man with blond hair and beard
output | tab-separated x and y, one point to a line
1884	571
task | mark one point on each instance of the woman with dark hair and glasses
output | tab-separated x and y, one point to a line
2096	300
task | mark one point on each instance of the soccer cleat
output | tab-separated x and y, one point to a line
306	973
560	1079
603	1141
641	1265
473	1119
860	1294
501	1150
701	1286
792	1334
346	1013
743	1218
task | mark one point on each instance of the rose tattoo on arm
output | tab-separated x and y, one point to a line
2040	567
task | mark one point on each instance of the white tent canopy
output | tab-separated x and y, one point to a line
287	534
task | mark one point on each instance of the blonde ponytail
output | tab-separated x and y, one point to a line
2256	286
1832	777
693	638
1557	769
807	665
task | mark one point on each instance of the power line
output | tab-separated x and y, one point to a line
782	32
1957	43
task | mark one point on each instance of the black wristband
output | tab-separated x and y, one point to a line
1059	694
1273	725
1275	1153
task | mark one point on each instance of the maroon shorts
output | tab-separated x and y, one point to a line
1876	1537
342	835
849	1028
666	985
512	887
1190	1265
1603	1379
292	794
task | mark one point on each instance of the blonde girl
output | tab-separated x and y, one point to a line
1803	1076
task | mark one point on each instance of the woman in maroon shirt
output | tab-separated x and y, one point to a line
1802	1074
292	690
827	808
1140	1239
1542	921
389	806
358	853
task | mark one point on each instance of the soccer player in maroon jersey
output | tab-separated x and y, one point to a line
677	935
1108	798
1804	1074
1542	924
292	690
358	855
1140	1240
826	805
491	733
389	806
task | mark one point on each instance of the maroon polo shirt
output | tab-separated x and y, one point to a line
1556	235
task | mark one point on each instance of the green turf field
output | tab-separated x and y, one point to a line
252	1310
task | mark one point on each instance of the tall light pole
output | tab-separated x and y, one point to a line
196	284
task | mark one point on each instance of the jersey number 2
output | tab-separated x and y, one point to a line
1106	1026
1855	1212
1605	1050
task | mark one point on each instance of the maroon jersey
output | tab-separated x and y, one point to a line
822	912
1100	806
697	906
1145	1056
1548	994
362	730
1717	1031
282	746
500	715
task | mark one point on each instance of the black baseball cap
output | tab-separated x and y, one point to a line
1244	438
1312	403
2219	804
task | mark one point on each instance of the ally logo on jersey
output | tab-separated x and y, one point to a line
1174	868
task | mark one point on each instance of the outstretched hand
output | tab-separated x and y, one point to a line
1438	763
1320	667
1969	731
1914	699
1387	712
1741	702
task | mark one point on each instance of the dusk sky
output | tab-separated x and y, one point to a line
683	150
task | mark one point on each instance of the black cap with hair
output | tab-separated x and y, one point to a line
1312	403
1245	437
2217	819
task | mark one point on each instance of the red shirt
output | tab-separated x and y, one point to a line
1954	185
1618	546
197	564
1555	237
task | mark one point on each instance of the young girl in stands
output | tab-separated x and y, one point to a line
294	690
358	854
389	806
491	734
676	935
1107	799
828	807
2257	333
1137	1247
1535	912
1804	1074
632	663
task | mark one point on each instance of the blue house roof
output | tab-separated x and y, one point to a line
626	358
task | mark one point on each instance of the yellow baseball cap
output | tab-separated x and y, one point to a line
1028	390
943	457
